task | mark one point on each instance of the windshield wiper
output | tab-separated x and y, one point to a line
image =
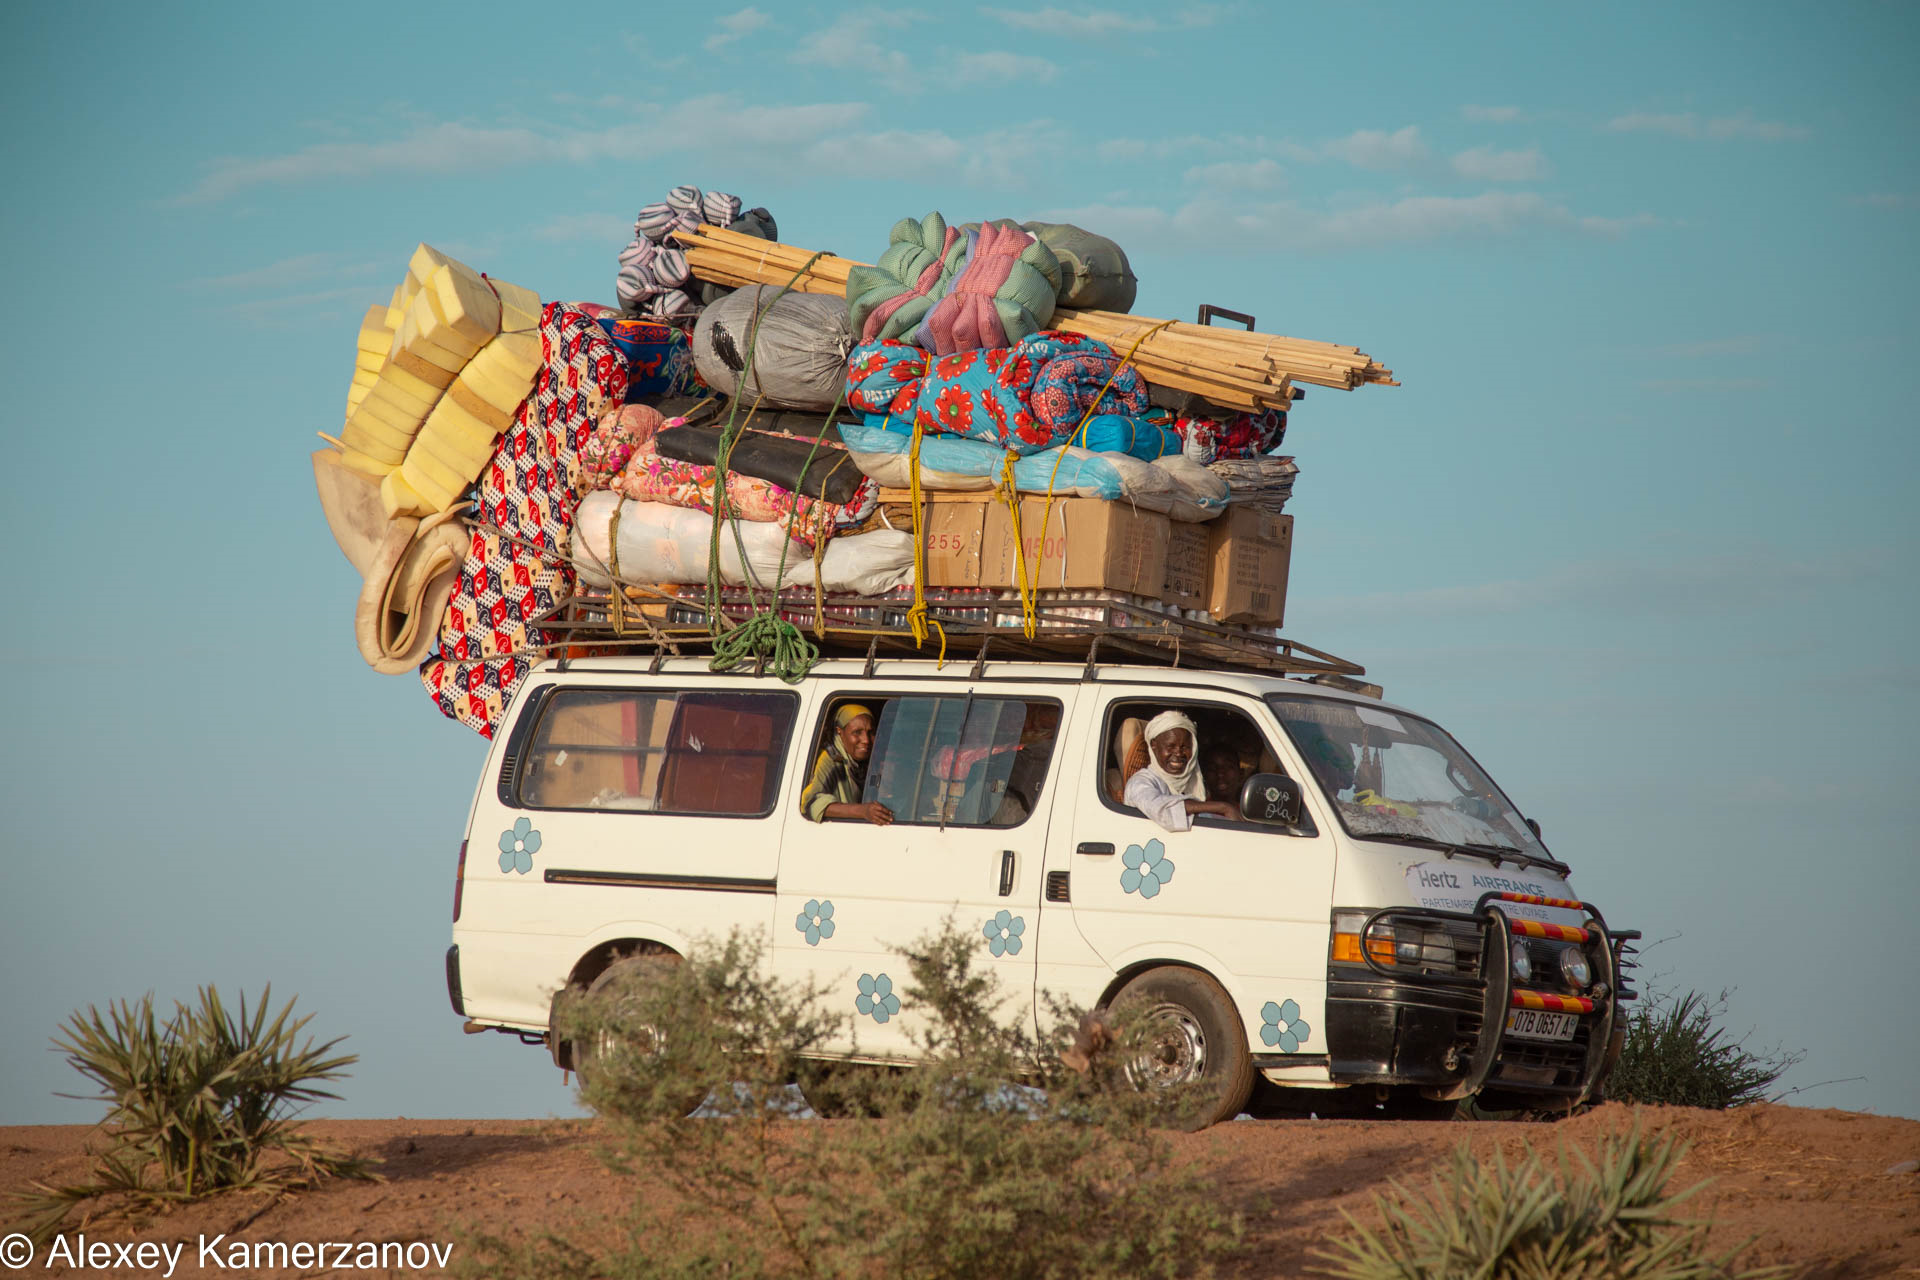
1401	837
1498	853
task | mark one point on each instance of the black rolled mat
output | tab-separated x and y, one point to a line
832	477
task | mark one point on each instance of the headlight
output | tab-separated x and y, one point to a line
1522	962
1574	968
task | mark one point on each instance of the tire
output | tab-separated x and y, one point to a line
844	1090
1196	1043
616	987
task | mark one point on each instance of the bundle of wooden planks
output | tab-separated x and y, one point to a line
1230	367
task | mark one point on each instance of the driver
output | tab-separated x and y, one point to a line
1170	789
840	774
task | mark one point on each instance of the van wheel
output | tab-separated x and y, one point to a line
1193	1042
845	1090
615	995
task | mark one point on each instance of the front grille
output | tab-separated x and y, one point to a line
1567	1059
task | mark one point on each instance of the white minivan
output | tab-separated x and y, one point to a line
1375	918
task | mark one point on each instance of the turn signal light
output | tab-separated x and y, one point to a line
1346	949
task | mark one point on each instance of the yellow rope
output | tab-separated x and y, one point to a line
618	614
1029	616
917	617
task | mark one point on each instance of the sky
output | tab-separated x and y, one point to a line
1637	527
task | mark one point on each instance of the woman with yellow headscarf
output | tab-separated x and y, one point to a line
840	774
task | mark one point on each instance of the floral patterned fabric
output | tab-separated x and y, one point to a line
658	355
1025	398
613	442
527	492
648	477
1244	435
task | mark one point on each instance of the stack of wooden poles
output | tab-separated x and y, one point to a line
1233	368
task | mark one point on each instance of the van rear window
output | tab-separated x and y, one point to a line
715	754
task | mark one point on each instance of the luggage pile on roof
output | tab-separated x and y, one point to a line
770	449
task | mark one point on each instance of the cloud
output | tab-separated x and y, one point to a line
602	228
848	44
1192	145
993	68
710	122
1714	129
1074	24
1001	158
303	305
1493	115
442	148
1690	585
1295	226
735	26
1887	200
1484	164
1238	175
301	269
1374	149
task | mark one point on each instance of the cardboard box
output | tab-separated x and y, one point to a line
1187	565
1249	551
954	536
1087	544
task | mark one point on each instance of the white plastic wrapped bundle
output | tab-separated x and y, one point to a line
1174	485
659	543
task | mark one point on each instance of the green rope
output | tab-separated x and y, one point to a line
765	636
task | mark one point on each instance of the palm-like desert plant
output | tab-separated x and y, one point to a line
199	1103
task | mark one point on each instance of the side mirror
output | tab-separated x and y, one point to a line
1534	826
1272	798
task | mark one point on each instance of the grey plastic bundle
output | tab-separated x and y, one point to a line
1096	275
800	347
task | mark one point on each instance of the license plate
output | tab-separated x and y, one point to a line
1532	1024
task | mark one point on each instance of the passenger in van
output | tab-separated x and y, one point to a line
840	774
1029	770
1170	789
1223	770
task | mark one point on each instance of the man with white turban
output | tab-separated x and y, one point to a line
1170	789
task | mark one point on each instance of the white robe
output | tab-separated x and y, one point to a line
1152	795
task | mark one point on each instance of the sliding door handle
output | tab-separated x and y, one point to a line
1006	872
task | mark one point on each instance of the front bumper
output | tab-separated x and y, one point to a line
1445	1033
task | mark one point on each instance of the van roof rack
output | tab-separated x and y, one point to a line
1077	627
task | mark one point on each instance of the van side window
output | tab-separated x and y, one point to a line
959	761
692	752
1228	749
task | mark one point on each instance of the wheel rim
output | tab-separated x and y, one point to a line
1176	1052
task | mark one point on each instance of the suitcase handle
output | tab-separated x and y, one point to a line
1208	311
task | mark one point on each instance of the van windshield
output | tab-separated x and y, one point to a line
1392	776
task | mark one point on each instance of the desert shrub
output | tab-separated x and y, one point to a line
989	1159
200	1103
1610	1219
1677	1054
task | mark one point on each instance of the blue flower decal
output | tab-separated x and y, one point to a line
518	844
815	920
876	998
1146	869
1282	1026
1003	933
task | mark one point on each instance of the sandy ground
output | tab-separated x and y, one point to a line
1813	1186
